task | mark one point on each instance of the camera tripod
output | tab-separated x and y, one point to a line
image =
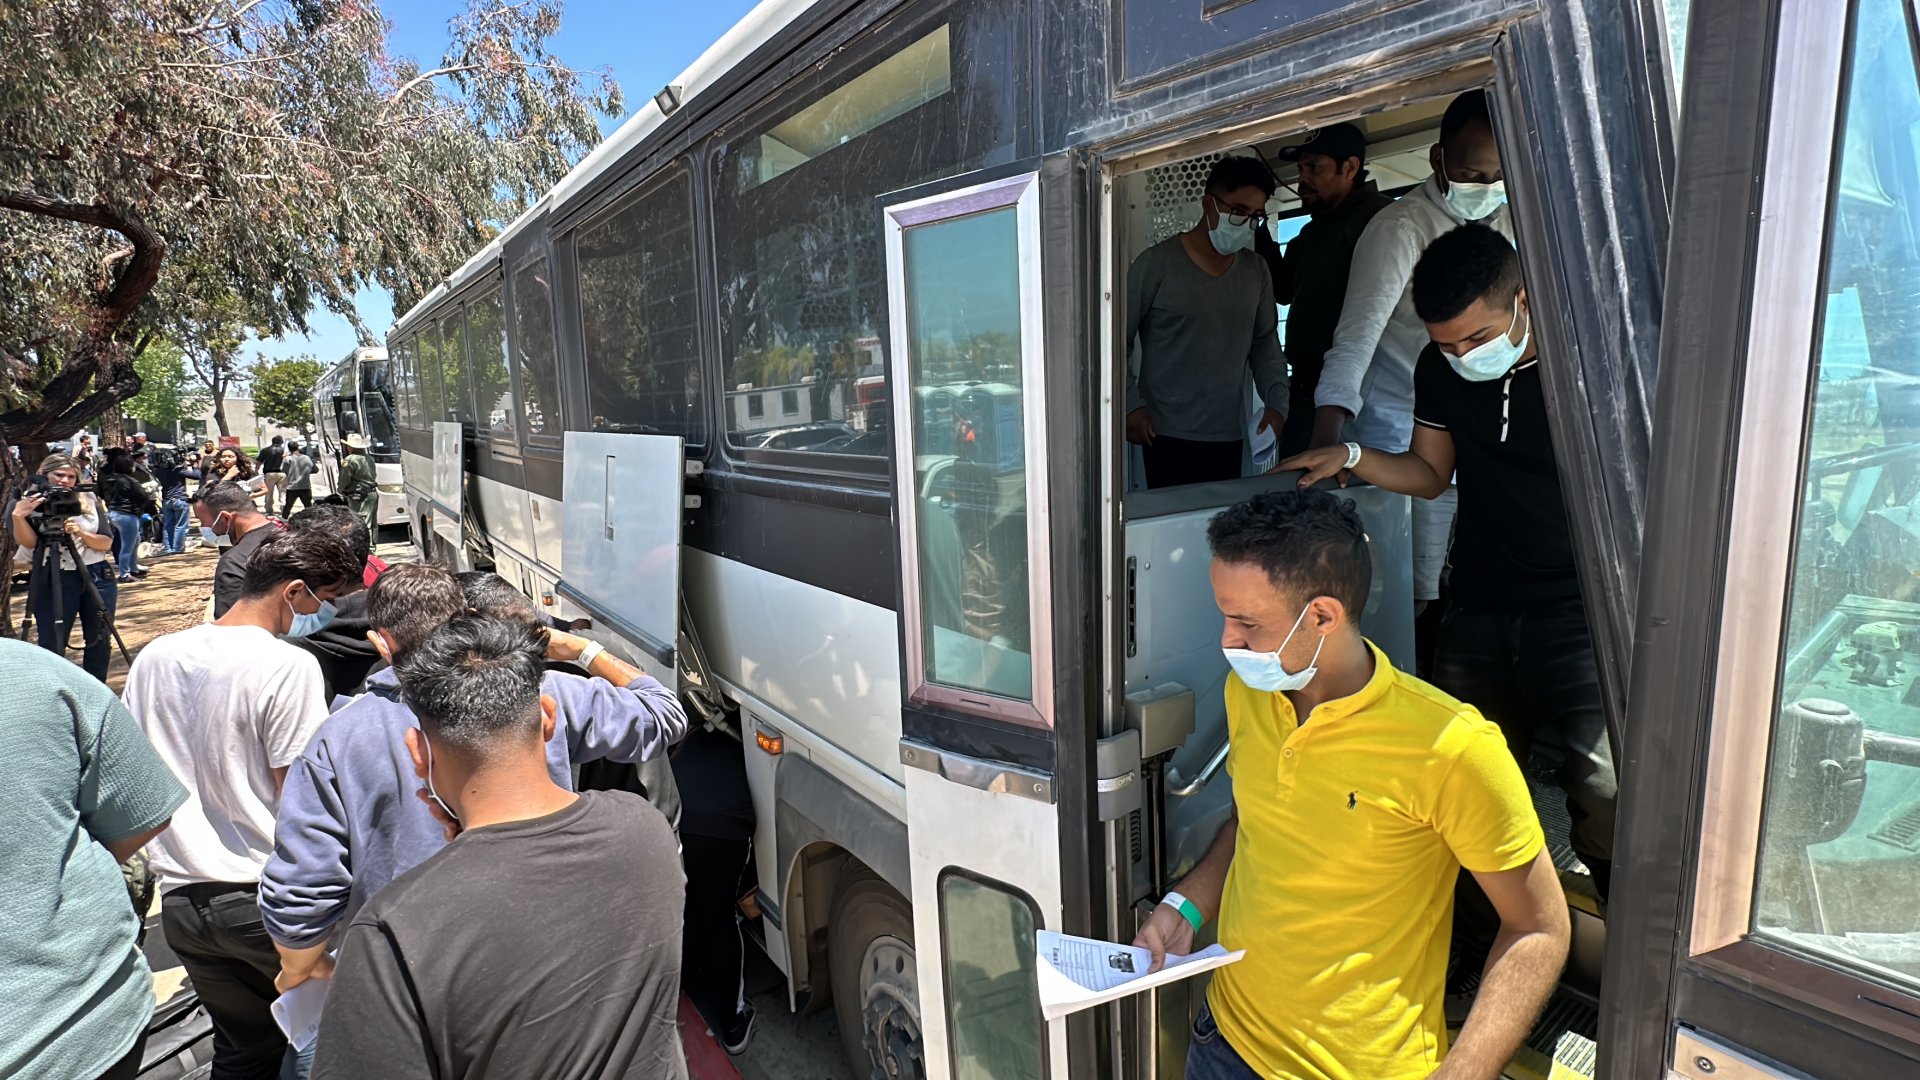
43	579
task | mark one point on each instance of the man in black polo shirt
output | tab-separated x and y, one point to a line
1312	275
1515	642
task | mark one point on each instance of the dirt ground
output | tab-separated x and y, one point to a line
173	597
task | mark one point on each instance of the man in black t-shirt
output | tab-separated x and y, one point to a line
544	940
226	509
1515	643
273	469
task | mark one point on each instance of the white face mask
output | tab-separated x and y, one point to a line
1264	671
1476	202
1227	237
1491	359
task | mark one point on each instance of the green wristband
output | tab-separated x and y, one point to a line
1186	908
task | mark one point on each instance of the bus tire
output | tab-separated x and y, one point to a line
870	963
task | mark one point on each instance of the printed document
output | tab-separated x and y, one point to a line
1078	973
298	1011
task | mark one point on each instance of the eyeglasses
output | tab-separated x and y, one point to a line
1236	217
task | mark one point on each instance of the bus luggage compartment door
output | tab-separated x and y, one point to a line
620	542
449	463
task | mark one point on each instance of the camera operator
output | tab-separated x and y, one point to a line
92	535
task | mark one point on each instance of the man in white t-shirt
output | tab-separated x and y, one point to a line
230	706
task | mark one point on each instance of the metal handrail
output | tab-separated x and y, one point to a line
1180	790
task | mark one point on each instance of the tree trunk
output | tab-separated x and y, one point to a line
13	473
113	427
220	410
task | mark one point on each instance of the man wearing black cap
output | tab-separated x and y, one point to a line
1312	275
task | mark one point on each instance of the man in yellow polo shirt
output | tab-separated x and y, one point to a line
1359	793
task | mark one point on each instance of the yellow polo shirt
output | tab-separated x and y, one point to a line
1353	828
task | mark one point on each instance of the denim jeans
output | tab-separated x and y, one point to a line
127	528
1531	670
173	525
1209	1057
74	603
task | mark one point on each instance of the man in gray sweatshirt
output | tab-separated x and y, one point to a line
350	820
1200	311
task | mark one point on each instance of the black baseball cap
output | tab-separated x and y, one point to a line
1337	141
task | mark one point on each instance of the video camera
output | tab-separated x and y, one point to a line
163	458
61	503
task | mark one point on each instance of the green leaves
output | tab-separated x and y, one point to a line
283	389
167	167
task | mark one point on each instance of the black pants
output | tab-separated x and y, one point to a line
1172	462
710	958
1531	670
1298	432
128	1067
299	495
76	604
215	930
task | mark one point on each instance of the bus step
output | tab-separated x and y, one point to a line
1562	1045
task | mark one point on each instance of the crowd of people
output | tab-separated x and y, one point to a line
397	840
138	495
397	811
1414	368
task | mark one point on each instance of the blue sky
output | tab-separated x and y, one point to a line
645	44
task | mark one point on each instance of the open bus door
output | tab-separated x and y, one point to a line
988	437
1766	902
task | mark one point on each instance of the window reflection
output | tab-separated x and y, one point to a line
492	394
637	314
963	327
533	348
1841	832
801	281
988	949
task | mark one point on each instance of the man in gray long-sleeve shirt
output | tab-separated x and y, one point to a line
350	820
1200	307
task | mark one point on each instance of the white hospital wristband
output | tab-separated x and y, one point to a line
1353	455
589	654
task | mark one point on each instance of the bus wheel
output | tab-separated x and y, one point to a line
870	961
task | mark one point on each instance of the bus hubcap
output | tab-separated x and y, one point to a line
890	1010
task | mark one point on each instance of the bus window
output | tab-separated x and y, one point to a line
802	289
1840	845
987	945
963	335
636	286
533	349
432	401
492	395
453	367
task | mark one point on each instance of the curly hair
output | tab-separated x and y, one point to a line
1310	543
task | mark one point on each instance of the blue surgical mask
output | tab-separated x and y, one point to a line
1491	359
1264	671
1476	202
431	793
1227	237
304	624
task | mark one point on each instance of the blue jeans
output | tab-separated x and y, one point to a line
74	601
173	525
127	528
1208	1055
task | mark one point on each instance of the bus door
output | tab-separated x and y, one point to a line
622	504
988	442
1766	916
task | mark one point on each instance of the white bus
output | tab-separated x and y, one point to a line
803	391
357	395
